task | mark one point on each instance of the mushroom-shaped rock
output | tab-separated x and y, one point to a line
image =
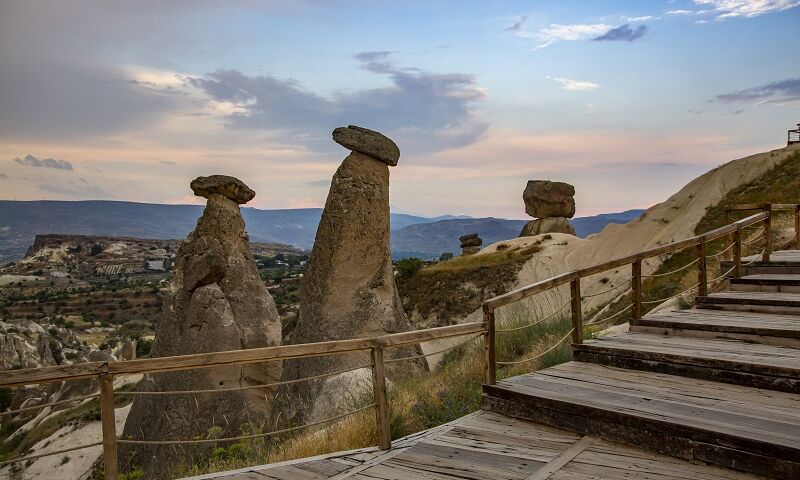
547	225
224	185
470	240
368	142
544	199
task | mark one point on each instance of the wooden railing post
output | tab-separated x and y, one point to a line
767	233
737	253
577	311
489	358
702	271
381	402
109	425
636	288
797	227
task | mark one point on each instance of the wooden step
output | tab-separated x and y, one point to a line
722	360
781	262
737	427
786	283
769	329
763	302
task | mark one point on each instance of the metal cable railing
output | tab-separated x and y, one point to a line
243	437
51	404
536	357
437	352
537	322
662	300
49	454
671	272
241	388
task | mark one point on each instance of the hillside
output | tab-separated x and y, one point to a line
20	222
764	177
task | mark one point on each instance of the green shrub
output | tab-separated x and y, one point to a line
408	267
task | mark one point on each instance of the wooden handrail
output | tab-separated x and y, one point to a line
14	378
573	278
567	277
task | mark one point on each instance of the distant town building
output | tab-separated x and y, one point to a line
156	265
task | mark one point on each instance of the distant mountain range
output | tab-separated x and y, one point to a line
412	235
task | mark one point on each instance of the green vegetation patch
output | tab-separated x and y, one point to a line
781	184
454	288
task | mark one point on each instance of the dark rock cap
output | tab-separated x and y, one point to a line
368	142
470	240
224	185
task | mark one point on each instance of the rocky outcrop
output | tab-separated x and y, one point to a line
470	243
544	199
349	289
553	203
216	301
547	225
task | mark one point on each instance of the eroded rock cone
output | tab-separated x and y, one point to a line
216	302
349	289
544	199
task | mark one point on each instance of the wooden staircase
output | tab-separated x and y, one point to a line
718	384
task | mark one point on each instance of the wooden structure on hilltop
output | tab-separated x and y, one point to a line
718	384
793	136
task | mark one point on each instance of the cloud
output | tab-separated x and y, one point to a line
747	8
516	27
166	162
780	93
423	110
556	33
684	12
623	33
31	161
640	19
575	85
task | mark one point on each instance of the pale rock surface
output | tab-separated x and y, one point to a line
349	290
216	302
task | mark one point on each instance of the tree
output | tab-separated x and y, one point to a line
445	256
407	267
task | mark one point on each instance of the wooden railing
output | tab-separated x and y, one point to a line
769	207
699	242
105	372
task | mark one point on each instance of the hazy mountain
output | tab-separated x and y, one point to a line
431	239
20	222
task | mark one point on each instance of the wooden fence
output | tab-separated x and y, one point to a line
105	372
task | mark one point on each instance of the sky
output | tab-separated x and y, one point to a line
626	100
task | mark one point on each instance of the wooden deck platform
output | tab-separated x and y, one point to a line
720	383
488	445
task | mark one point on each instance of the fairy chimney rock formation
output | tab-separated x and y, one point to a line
470	243
349	289
552	204
216	302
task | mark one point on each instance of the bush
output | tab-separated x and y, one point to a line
408	267
445	256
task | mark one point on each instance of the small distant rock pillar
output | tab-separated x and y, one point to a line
470	244
552	204
349	289
216	302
